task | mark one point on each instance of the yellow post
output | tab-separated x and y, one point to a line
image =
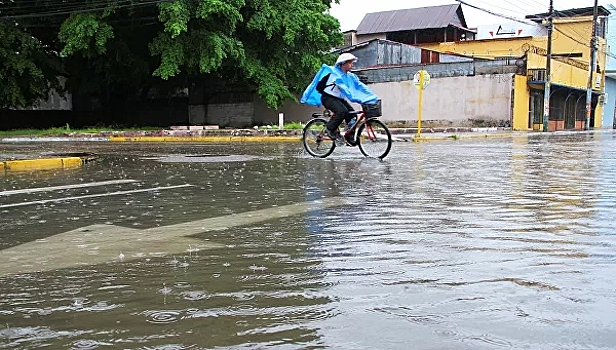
420	104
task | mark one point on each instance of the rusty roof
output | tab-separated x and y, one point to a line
410	19
575	12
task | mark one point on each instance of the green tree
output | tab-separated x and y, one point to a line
28	69
272	46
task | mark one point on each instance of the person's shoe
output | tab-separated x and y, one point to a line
337	137
331	135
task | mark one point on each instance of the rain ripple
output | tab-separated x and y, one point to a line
161	316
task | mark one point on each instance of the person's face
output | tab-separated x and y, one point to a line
347	66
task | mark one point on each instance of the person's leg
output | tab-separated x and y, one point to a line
339	108
349	109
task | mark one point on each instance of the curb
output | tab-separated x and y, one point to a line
204	138
40	164
455	137
244	138
19	139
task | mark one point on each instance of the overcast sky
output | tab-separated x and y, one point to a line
351	12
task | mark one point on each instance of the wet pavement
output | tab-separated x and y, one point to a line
473	244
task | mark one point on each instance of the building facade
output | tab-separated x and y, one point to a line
609	100
609	105
569	68
415	26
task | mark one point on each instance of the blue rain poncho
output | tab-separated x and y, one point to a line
349	84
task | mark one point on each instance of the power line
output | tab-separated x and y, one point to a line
518	10
57	6
496	14
96	9
533	23
585	44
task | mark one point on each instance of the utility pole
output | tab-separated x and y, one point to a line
591	69
548	66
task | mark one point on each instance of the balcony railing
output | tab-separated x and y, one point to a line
536	74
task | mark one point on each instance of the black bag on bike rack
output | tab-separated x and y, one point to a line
322	84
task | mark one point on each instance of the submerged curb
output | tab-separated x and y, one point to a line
241	139
204	138
40	164
48	162
454	137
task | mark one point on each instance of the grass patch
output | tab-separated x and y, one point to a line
286	126
67	130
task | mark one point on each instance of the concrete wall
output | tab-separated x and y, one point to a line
611	40
459	94
246	110
293	112
438	70
196	114
230	109
237	115
609	108
54	102
457	100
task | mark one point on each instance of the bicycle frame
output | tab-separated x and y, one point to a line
361	119
350	136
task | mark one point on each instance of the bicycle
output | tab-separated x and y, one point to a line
369	133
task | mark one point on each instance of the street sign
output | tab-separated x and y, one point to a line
417	79
421	80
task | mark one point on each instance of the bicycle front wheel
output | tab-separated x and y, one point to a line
374	139
315	139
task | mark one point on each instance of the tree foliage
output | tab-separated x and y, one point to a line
271	46
26	67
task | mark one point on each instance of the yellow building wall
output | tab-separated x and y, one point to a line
571	35
521	97
488	48
562	73
580	28
598	116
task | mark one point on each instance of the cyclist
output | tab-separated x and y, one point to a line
331	87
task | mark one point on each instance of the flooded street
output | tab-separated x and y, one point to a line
472	244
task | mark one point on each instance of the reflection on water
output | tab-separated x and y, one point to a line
452	245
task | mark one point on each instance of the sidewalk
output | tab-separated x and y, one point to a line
249	135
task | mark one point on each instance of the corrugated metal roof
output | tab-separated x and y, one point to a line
575	12
409	19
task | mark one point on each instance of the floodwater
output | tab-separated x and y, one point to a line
480	244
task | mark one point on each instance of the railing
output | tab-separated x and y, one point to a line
536	74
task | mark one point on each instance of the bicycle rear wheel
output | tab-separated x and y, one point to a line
374	139
315	140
